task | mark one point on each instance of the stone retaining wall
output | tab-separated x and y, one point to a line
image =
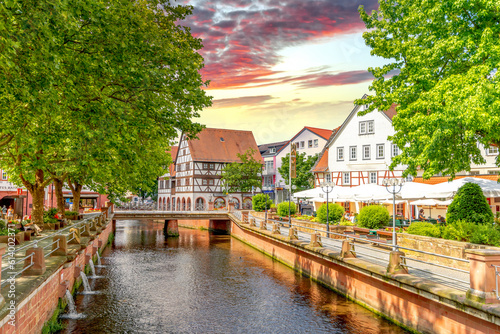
38	307
410	301
438	246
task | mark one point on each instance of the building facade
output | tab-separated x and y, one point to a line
269	153
194	180
310	141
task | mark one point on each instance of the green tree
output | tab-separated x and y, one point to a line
444	58
260	202
305	178
373	216
469	204
94	81
282	209
243	176
335	213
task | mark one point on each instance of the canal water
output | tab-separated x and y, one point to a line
207	283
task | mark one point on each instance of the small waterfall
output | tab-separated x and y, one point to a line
71	304
72	314
92	267
99	259
86	285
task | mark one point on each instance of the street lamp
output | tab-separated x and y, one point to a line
396	185
290	203
327	188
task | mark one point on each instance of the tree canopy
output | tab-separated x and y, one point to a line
243	176
442	72
96	90
305	178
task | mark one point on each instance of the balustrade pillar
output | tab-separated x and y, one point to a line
276	229
74	236
59	248
86	230
346	251
316	240
263	225
293	234
483	282
252	222
395	263
36	262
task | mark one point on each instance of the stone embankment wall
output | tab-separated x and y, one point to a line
39	306
410	301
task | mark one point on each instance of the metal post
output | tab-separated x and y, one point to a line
327	217
394	183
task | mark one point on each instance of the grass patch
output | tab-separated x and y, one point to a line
54	325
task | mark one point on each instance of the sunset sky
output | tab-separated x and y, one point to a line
278	65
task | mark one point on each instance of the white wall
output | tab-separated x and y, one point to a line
304	136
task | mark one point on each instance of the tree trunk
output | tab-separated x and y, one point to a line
38	193
76	197
58	185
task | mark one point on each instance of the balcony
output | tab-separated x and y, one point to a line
268	171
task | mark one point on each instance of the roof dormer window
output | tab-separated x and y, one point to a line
272	150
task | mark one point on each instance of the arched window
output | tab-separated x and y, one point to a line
188	204
173	203
183	204
178	204
168	204
236	203
200	204
247	203
219	203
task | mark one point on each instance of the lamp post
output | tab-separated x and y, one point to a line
393	186
327	187
290	203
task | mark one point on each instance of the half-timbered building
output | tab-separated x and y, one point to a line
194	180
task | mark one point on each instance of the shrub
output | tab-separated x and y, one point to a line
373	216
335	212
458	230
259	202
3	224
283	209
345	222
424	228
469	204
70	213
50	213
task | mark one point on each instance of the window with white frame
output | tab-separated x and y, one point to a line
373	177
328	177
492	150
315	143
352	153
395	150
347	178
205	182
205	165
310	143
211	182
366	152
272	150
366	127
340	153
297	145
302	144
380	151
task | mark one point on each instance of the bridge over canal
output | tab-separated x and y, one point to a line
214	220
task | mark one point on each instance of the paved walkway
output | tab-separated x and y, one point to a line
377	254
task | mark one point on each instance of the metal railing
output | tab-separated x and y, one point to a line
11	254
497	273
379	254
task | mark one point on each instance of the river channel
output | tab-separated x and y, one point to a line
207	283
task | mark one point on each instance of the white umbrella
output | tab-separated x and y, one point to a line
411	190
449	189
309	193
371	192
428	202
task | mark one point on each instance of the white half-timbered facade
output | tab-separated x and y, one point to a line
194	180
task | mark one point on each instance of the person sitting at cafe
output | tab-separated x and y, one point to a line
27	224
421	215
441	219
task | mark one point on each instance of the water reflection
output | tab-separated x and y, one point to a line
205	283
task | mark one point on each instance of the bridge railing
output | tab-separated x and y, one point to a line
374	251
134	206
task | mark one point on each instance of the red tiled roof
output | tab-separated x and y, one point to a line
222	145
441	179
322	164
173	154
391	112
324	133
